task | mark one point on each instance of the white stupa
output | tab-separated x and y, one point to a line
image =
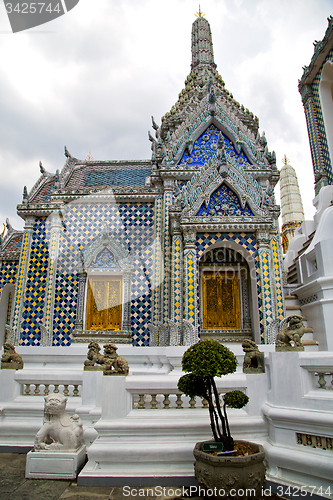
291	203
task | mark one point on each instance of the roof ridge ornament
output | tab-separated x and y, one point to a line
199	13
285	160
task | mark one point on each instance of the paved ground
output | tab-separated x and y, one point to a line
14	486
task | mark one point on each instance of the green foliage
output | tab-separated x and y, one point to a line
209	358
235	399
192	385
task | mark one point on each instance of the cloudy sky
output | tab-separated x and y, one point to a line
92	78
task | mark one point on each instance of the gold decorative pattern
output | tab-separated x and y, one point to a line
104	303
221	304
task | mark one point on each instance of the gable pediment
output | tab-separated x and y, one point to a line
220	183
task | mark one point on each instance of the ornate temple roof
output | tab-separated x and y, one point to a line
180	148
10	243
321	50
203	101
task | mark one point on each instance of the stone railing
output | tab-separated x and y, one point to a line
43	389
166	401
42	384
324	380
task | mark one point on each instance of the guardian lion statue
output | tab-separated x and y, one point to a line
252	359
59	432
113	363
93	355
10	359
110	363
290	338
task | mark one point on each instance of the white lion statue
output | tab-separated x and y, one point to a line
59	431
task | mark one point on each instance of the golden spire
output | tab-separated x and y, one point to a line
285	160
89	157
200	13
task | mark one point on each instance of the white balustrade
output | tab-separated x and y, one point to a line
43	389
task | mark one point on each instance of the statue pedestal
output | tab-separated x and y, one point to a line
54	465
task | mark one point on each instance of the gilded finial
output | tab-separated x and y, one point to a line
89	157
200	13
285	160
4	229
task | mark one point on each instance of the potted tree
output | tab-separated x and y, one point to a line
226	469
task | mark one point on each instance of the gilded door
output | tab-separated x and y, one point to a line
221	305
104	303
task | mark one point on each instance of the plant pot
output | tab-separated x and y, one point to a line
233	476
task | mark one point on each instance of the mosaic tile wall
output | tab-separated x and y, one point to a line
132	225
33	307
246	240
280	312
320	122
8	273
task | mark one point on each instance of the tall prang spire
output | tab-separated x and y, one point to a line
202	45
291	203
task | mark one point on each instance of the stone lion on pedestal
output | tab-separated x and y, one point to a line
110	363
59	432
11	359
290	338
113	363
252	358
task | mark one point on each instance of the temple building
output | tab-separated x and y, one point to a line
159	251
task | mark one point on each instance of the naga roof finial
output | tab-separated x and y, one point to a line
285	160
199	13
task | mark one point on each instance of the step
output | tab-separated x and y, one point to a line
293	307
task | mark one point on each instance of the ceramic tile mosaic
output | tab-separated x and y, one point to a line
268	305
176	281
280	311
33	308
191	287
320	122
224	202
21	280
206	146
166	255
8	273
158	261
314	140
132	225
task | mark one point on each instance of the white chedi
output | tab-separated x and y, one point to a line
59	432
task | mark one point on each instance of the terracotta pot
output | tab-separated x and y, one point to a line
234	476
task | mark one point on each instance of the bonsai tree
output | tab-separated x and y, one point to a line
204	361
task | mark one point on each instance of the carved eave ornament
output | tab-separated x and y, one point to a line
204	183
123	262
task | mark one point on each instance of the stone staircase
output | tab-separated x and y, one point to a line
293	306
